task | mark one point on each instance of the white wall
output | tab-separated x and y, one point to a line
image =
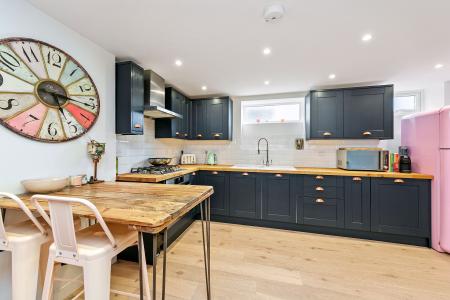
21	158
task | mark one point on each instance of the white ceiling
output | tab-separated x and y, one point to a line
220	41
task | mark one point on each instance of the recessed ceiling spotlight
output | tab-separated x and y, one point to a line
178	63
367	37
267	51
204	88
438	66
267	82
332	76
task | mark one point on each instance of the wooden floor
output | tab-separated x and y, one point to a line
260	263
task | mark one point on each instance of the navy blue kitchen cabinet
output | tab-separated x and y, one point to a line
350	113
198	120
357	203
218	120
400	206
245	195
322	202
174	127
369	113
129	98
278	198
324	115
220	200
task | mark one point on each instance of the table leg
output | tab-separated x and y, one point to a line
155	251
164	266
141	275
205	217
209	246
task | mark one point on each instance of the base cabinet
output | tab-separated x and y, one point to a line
357	203
220	204
245	195
400	206
278	200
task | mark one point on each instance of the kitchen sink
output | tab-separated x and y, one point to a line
262	167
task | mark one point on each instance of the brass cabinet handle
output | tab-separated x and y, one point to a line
215	172
177	133
245	174
186	134
217	134
398	180
199	135
357	178
320	189
278	175
194	174
326	133
367	133
319	177
137	125
320	200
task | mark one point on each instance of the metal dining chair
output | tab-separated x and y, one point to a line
21	246
91	248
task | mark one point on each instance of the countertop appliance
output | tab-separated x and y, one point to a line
364	159
154	97
188	159
404	162
427	136
211	158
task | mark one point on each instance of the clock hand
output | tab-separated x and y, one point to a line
68	98
59	106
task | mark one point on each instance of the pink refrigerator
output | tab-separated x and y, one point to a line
428	137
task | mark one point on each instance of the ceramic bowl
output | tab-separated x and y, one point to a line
45	185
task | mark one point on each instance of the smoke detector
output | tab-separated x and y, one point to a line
273	13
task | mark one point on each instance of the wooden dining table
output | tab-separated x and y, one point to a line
144	207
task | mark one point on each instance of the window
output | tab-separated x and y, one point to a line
271	111
406	103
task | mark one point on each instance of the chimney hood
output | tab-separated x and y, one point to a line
154	97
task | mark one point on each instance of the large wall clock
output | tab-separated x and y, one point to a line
45	94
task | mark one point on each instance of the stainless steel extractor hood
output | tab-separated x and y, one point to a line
154	97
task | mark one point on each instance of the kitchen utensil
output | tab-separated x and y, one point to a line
45	185
78	180
404	163
159	161
188	159
212	158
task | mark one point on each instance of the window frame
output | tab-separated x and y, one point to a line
272	102
417	94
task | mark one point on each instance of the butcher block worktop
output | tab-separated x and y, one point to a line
145	207
186	169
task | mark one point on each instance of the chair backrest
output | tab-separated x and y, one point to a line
24	208
61	222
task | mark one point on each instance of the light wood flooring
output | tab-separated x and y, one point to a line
261	263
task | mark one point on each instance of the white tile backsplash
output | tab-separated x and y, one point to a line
133	151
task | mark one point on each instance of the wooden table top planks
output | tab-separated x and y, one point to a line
145	207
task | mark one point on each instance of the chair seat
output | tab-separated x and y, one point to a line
93	243
26	231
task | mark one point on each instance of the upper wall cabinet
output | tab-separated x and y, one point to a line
352	113
174	127
129	98
212	119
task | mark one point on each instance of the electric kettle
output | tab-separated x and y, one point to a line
211	158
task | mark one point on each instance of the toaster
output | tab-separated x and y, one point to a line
188	159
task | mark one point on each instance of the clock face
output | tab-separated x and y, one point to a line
45	94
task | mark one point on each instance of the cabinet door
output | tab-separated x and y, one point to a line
357	203
186	119
278	199
198	126
245	195
217	118
137	99
220	199
326	114
368	113
400	206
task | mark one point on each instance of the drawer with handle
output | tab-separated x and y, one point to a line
320	180
321	212
320	191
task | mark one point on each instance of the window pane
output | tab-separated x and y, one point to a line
405	103
281	113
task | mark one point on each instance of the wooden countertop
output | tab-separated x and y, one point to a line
145	207
186	169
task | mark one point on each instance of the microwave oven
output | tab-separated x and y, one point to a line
363	159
